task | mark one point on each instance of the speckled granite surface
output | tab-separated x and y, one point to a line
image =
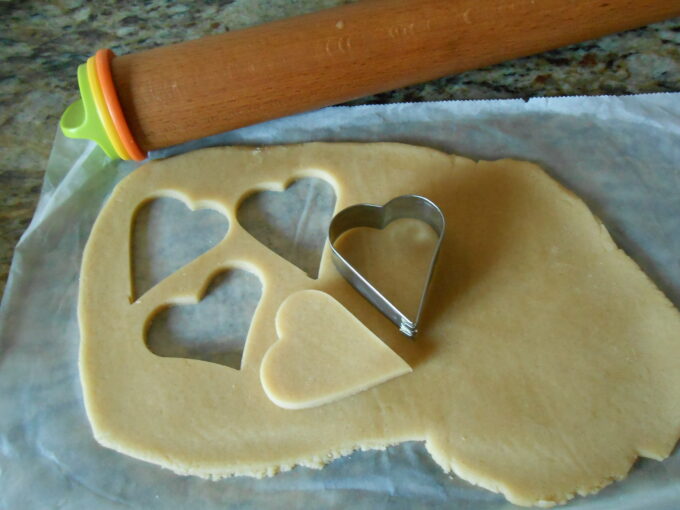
44	41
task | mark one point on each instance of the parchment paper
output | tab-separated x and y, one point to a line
621	155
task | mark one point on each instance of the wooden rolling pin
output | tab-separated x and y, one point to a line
177	93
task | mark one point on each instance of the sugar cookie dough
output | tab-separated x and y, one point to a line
323	354
548	362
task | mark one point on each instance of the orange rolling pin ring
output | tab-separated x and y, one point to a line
102	112
102	60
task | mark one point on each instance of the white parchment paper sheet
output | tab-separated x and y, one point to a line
621	155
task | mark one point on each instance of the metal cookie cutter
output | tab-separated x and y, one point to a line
377	216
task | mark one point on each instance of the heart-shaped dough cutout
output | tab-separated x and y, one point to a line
324	354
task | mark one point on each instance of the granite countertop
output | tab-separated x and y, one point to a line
43	43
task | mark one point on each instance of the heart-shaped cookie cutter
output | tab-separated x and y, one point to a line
379	216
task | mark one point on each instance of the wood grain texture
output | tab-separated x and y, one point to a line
197	88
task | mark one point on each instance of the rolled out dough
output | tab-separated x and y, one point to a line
548	362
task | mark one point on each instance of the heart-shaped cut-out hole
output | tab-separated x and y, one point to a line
167	235
323	354
215	329
292	223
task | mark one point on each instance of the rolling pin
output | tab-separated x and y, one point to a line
169	95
